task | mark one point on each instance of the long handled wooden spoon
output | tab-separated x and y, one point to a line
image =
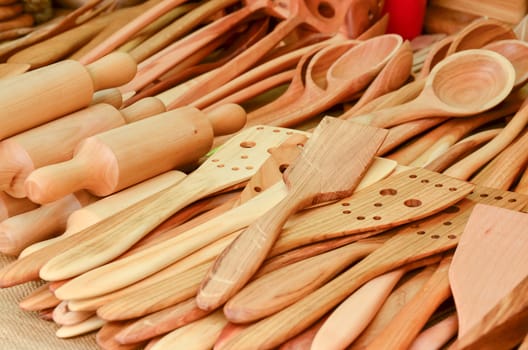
432	236
312	179
515	51
488	75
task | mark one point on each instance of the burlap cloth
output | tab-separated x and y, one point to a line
21	330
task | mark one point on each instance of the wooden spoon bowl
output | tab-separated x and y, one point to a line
516	51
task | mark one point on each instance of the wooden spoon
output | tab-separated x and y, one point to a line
515	51
343	77
391	77
479	33
437	335
491	235
323	16
224	280
221	171
488	75
430	237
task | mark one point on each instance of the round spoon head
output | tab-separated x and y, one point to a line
516	51
470	82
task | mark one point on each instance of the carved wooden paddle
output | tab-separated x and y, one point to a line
315	177
489	262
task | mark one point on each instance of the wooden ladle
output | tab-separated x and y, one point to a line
463	84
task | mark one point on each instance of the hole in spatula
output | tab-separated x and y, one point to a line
452	209
283	167
247	144
388	192
412	203
257	189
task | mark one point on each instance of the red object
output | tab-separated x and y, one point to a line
406	17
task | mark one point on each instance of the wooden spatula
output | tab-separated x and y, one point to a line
330	167
235	162
489	262
416	241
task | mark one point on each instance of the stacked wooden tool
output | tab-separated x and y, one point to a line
151	222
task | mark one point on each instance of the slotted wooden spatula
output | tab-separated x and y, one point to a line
416	241
329	168
235	162
490	260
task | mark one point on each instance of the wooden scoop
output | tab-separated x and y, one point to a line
312	179
235	162
462	84
494	241
55	141
416	241
30	99
107	163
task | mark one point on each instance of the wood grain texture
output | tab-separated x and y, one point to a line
415	241
491	235
146	215
312	179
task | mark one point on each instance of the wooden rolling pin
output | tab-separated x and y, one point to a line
55	141
118	158
47	93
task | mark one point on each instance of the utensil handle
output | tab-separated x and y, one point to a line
58	180
355	313
112	70
396	115
143	108
401	332
242	258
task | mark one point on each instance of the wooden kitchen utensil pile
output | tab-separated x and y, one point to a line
270	237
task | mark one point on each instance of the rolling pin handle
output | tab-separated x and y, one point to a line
113	70
227	119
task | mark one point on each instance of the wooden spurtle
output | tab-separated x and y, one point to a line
404	292
55	141
432	236
491	235
46	221
86	326
404	328
105	337
437	335
466	167
488	75
290	283
41	298
307	186
161	322
503	327
65	317
221	171
105	163
47	85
